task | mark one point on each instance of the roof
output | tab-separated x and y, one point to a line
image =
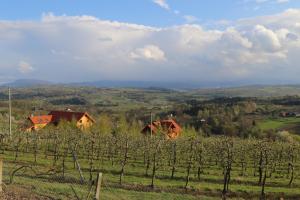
68	115
150	127
42	119
170	123
170	126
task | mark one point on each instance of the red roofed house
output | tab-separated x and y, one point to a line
169	127
39	122
83	119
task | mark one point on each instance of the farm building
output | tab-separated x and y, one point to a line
38	122
82	119
169	127
289	114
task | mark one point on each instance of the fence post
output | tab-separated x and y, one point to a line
78	166
1	171
98	187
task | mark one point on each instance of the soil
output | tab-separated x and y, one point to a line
19	193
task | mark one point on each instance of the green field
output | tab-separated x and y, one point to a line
281	123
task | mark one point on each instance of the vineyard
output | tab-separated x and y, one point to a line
64	163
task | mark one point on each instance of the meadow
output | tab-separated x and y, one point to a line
285	124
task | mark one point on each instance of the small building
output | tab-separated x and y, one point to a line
289	114
282	114
203	121
82	119
38	122
169	127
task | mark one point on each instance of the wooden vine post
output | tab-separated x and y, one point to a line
98	186
1	173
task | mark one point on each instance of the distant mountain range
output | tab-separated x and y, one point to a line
122	84
204	89
27	83
109	84
138	84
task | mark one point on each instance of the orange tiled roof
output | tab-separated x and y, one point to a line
170	123
42	119
170	126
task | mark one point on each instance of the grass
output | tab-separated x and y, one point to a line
280	123
134	195
136	183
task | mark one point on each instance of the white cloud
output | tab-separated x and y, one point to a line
162	3
235	39
24	67
265	39
149	52
83	48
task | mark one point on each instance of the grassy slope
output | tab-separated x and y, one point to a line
209	187
281	123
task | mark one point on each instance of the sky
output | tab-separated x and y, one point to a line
242	41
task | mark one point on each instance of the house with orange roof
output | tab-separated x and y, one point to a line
38	122
82	119
168	127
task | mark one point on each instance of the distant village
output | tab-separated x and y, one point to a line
84	121
289	114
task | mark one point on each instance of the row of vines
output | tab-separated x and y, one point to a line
185	159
